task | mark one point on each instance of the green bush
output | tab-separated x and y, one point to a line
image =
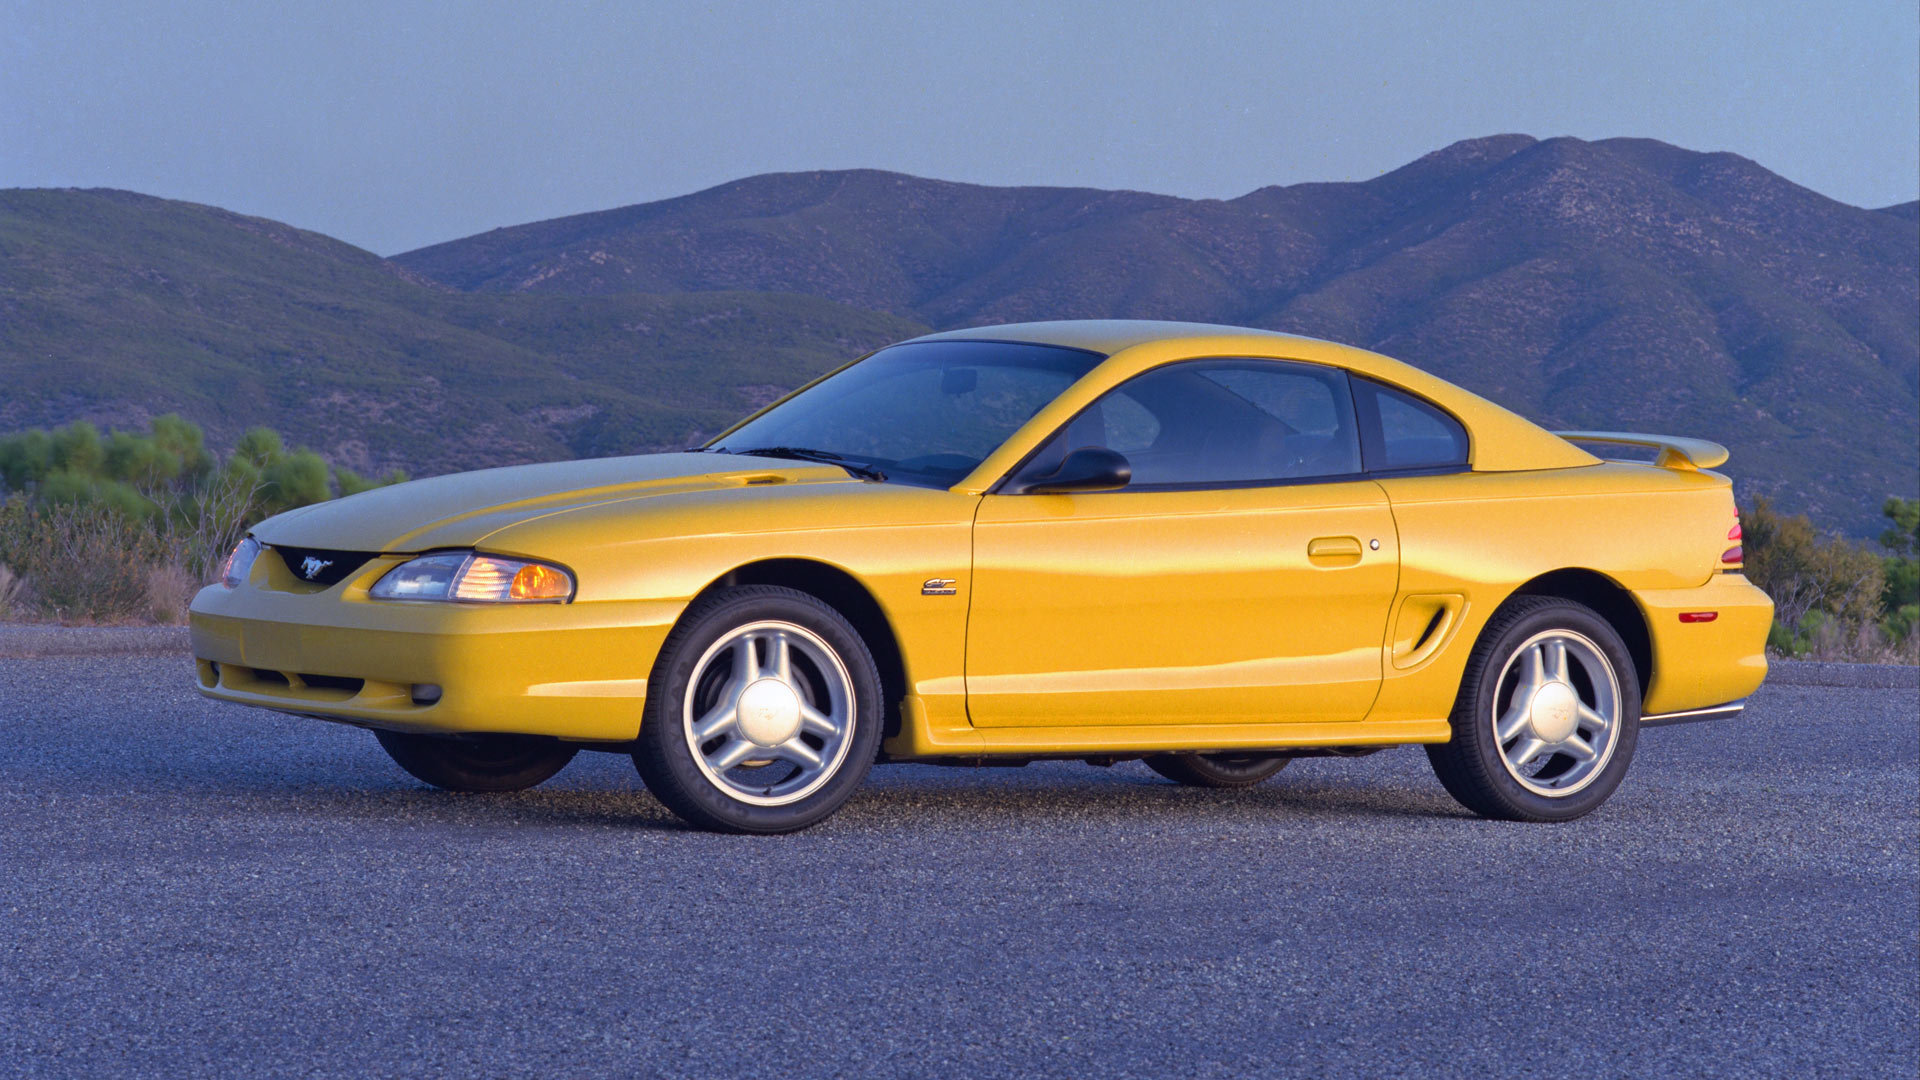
1834	599
347	482
126	525
1900	598
144	474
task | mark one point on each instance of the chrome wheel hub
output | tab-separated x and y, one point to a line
1556	714
768	713
1552	712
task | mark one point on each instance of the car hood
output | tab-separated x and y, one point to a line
463	509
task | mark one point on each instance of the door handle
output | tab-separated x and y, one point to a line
1334	551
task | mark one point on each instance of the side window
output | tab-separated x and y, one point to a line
1403	432
1219	423
1131	426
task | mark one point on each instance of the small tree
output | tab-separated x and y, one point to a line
1900	599
1811	578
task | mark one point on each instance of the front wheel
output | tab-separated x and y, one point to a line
1547	717
477	762
763	712
1217	770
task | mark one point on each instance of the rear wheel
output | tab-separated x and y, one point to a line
1217	770
763	712
477	762
1547	717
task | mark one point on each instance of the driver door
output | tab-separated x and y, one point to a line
1243	576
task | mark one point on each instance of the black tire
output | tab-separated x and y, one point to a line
1473	766
477	762
1217	770
665	753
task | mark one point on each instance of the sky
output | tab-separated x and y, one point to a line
393	125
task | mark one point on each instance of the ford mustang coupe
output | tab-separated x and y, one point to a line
1211	548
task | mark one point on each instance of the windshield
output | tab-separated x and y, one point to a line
925	412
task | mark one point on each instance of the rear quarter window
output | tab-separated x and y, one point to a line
1401	432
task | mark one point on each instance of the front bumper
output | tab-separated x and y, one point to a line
574	671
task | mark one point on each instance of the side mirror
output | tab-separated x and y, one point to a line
1090	468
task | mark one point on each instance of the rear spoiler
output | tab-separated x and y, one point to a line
1685	455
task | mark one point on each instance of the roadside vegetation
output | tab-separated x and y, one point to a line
126	526
1835	599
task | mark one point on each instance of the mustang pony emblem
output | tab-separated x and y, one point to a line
310	566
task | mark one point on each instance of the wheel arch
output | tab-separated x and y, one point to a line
1611	600
846	594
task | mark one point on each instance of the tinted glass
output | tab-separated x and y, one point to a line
1213	423
926	412
1406	432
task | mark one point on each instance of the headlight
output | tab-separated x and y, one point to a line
471	576
239	563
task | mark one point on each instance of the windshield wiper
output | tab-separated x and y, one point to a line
803	453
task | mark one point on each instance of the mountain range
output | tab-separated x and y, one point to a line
116	307
1622	283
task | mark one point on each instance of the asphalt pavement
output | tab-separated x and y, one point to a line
193	889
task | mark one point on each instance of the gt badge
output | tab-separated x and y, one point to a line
310	566
938	586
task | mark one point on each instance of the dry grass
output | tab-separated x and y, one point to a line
92	564
1859	643
170	588
13	592
80	563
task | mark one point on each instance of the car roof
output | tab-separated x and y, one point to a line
1502	441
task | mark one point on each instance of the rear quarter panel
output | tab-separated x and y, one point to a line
1481	536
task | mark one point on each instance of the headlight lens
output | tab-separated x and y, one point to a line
471	576
239	563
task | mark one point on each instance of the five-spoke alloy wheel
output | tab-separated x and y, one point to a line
763	712
1547	717
768	713
1561	714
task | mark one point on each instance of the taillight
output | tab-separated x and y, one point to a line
1736	554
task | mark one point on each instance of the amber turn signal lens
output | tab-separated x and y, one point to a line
536	582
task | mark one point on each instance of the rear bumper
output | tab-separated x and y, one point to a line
1704	665
574	671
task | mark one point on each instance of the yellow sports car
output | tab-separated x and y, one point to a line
1212	548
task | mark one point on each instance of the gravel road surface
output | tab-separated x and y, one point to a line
188	888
